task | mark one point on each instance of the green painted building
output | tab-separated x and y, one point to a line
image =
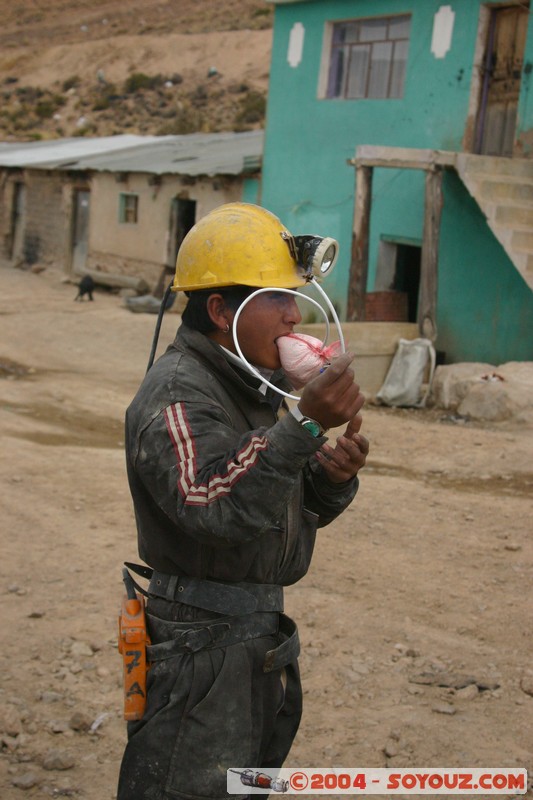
410	123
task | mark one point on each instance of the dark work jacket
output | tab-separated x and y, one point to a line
222	488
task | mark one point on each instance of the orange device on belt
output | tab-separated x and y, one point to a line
132	640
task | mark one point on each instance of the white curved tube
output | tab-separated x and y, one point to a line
331	307
249	366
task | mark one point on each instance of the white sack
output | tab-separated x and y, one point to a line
403	384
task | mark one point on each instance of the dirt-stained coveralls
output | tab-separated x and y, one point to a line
227	500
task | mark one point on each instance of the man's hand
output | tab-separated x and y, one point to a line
333	398
344	461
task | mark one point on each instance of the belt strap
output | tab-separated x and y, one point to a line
189	638
288	651
229	599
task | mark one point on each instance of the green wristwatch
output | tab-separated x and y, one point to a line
310	425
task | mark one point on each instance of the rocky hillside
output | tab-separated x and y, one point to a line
80	68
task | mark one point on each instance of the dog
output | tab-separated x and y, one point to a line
85	287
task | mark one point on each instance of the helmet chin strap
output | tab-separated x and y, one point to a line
330	307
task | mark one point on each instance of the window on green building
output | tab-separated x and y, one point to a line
128	208
368	58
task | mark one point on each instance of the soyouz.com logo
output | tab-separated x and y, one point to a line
377	781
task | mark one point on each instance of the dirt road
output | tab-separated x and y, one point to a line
415	617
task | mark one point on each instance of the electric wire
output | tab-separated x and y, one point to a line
155	339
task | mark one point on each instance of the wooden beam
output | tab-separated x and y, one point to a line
367	155
427	296
360	240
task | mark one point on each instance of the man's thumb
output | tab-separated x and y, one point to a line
354	425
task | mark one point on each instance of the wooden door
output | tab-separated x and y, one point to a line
80	239
502	70
182	218
18	221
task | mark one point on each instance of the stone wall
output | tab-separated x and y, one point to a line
45	225
47	218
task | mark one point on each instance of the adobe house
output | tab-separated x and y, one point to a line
119	205
404	128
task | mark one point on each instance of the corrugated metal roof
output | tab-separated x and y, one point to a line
52	153
193	154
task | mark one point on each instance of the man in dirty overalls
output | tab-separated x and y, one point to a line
229	490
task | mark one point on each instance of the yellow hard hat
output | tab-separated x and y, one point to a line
237	243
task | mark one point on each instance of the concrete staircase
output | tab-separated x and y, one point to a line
503	189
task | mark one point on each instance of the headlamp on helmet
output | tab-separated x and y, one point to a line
315	255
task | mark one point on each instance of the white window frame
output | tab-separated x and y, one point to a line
327	46
123	208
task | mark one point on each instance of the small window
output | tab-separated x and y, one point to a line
368	58
128	208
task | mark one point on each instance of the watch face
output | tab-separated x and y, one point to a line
311	426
